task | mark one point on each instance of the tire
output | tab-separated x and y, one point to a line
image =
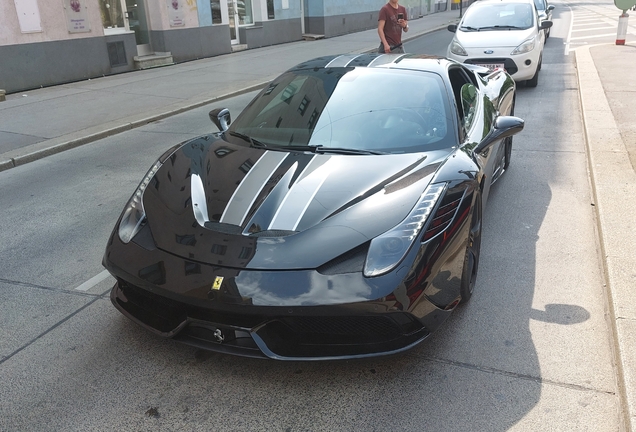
471	258
532	82
508	143
507	152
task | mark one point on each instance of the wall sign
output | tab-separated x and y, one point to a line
76	16
175	13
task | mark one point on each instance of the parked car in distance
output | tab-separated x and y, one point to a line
501	34
329	220
545	13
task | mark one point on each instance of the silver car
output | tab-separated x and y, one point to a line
544	10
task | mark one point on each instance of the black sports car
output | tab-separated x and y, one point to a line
339	216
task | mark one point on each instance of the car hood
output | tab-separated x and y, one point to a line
235	206
493	38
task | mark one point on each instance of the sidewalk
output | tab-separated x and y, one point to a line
66	116
608	102
69	115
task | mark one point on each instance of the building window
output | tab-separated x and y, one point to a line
215	5
112	14
270	9
244	9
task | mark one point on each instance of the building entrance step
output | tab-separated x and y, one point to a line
156	59
310	37
239	47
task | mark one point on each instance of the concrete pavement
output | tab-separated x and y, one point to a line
66	116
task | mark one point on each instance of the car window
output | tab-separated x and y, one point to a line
376	109
493	16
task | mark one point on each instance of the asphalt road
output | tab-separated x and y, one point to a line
531	351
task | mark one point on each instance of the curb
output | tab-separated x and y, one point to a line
607	156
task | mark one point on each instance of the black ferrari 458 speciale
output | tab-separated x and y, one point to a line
339	216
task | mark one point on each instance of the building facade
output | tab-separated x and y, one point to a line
49	42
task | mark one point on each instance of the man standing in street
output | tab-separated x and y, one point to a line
391	23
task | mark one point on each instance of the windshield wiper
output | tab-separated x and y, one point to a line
253	142
299	148
342	150
469	28
502	27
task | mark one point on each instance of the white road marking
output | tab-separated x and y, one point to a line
587	20
567	40
93	281
591	29
593	36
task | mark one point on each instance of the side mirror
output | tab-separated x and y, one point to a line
505	126
221	118
551	7
452	28
545	25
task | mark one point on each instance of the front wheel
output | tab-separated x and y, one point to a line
508	143
532	82
471	259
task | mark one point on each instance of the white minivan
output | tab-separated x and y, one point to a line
501	34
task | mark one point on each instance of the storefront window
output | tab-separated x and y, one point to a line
112	14
244	9
215	5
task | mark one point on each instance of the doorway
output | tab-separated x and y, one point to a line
138	22
122	16
239	14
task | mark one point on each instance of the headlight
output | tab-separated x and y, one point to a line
526	46
457	49
388	249
134	213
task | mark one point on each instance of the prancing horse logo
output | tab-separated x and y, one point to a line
217	283
218	335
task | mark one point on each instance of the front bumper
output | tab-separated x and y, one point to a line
515	65
308	333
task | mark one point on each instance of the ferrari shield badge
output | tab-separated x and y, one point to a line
217	283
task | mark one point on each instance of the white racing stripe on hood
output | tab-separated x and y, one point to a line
302	193
199	203
342	60
251	186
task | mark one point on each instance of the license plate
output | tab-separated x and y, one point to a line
492	66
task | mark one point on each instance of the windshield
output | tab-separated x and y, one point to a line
496	16
376	109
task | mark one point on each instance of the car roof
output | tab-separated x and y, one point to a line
421	62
